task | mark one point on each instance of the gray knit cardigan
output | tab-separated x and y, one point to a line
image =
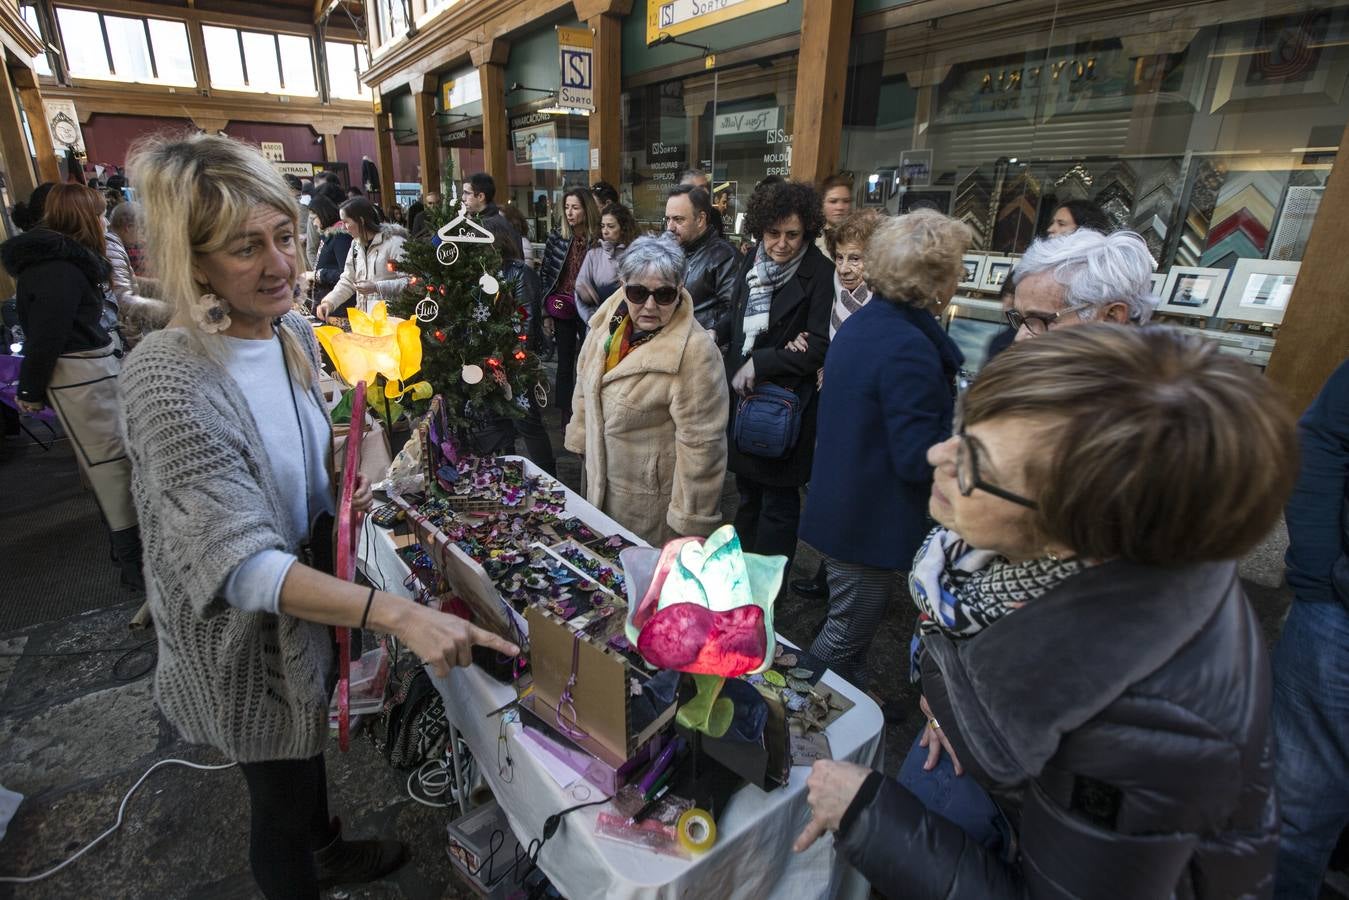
253	685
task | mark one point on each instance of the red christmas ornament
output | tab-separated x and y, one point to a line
392	266
439	335
430	288
412	279
521	355
443	290
522	337
494	362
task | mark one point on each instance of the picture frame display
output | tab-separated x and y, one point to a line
1259	290
1158	282
1193	291
973	265
997	269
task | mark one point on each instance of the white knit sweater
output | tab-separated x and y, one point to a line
253	685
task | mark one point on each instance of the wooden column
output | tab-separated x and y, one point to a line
606	126
30	97
18	164
428	138
383	153
821	73
1315	329
330	149
490	60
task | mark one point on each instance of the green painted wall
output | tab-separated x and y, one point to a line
468	109
534	62
760	26
404	111
862	7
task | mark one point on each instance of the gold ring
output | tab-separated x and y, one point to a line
934	724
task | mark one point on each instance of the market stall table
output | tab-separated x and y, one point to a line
752	857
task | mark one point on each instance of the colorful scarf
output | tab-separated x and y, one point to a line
764	280
960	590
623	339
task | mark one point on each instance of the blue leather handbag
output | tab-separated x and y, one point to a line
768	422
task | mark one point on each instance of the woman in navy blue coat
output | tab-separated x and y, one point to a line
888	395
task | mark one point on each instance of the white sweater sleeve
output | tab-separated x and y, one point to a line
255	584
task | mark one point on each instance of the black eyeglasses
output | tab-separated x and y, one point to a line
1038	323
967	473
637	293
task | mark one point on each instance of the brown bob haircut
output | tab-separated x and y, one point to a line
833	181
76	211
627	225
1166	452
855	229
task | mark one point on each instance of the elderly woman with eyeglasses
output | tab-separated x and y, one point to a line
1087	653
649	411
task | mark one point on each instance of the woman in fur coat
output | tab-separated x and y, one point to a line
649	411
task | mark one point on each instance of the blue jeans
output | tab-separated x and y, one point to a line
1311	726
958	799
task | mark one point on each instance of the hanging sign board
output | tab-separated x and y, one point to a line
64	124
299	170
576	52
676	17
750	121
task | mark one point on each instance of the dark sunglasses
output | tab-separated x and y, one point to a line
637	293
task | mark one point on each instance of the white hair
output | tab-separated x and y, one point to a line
1095	270
659	254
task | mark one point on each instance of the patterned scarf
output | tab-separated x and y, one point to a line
623	339
764	280
846	303
961	591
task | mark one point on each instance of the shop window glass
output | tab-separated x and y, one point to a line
41	64
1211	135
548	153
735	124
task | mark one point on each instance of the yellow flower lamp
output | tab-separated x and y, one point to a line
378	344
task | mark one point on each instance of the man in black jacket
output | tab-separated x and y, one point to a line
480	192
1311	660
712	260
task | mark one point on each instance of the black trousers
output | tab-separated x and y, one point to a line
289	800
568	333
767	519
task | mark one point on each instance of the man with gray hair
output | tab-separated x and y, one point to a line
1082	277
698	178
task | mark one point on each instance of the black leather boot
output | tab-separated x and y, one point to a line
126	550
816	588
357	862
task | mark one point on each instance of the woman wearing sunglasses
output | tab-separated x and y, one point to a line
649	411
1087	652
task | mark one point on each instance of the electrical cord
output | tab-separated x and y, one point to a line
530	854
121	812
121	670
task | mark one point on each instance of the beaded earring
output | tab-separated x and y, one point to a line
211	313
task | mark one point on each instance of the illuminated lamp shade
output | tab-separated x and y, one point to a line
378	344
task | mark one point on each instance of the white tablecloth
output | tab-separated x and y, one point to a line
752	857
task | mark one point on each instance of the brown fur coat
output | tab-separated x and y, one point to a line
653	430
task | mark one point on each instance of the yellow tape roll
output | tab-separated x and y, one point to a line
697	831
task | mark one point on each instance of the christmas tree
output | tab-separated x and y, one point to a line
475	348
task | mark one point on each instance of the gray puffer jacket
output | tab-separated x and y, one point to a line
1122	723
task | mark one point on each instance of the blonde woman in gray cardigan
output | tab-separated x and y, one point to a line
230	445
